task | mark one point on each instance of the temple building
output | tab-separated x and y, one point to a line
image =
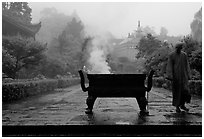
137	34
128	47
12	27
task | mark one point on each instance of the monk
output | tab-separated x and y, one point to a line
178	71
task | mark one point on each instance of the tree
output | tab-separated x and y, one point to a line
158	60
193	48
155	52
190	44
163	31
8	63
50	67
18	10
196	60
69	47
53	24
74	30
71	39
19	52
147	45
149	30
196	26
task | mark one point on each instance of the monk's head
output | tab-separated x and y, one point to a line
179	46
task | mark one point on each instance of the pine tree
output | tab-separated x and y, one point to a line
20	11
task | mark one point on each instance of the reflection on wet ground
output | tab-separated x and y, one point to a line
66	107
134	118
184	118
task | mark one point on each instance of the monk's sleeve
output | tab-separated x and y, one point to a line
188	68
169	68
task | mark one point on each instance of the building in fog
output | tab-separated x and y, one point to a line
128	47
12	27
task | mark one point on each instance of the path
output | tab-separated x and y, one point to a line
67	106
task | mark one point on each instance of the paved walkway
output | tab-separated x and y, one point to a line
67	106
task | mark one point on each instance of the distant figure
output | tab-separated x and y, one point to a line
178	71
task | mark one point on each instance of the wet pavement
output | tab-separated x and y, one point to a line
66	107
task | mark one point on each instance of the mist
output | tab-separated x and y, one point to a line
120	18
52	24
106	21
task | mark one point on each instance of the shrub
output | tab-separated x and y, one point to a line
18	90
19	53
195	86
158	82
66	82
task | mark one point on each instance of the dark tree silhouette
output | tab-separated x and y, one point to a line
20	53
18	10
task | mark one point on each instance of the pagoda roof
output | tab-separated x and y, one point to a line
29	28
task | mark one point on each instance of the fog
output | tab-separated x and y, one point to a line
120	18
105	21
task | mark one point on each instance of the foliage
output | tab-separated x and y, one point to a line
25	58
51	67
148	44
194	51
66	82
149	30
196	60
158	60
163	31
157	55
196	26
190	44
18	10
170	39
8	63
123	65
195	86
69	47
25	88
162	82
18	90
193	45
19	53
53	24
71	38
195	75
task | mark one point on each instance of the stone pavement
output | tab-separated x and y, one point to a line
66	107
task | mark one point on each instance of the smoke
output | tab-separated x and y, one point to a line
99	48
196	26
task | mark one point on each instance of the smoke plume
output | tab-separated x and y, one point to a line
98	51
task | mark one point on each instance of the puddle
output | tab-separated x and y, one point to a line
118	110
122	123
184	118
80	118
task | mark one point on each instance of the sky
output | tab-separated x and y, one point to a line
121	18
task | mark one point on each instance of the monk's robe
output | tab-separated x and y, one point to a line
178	70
